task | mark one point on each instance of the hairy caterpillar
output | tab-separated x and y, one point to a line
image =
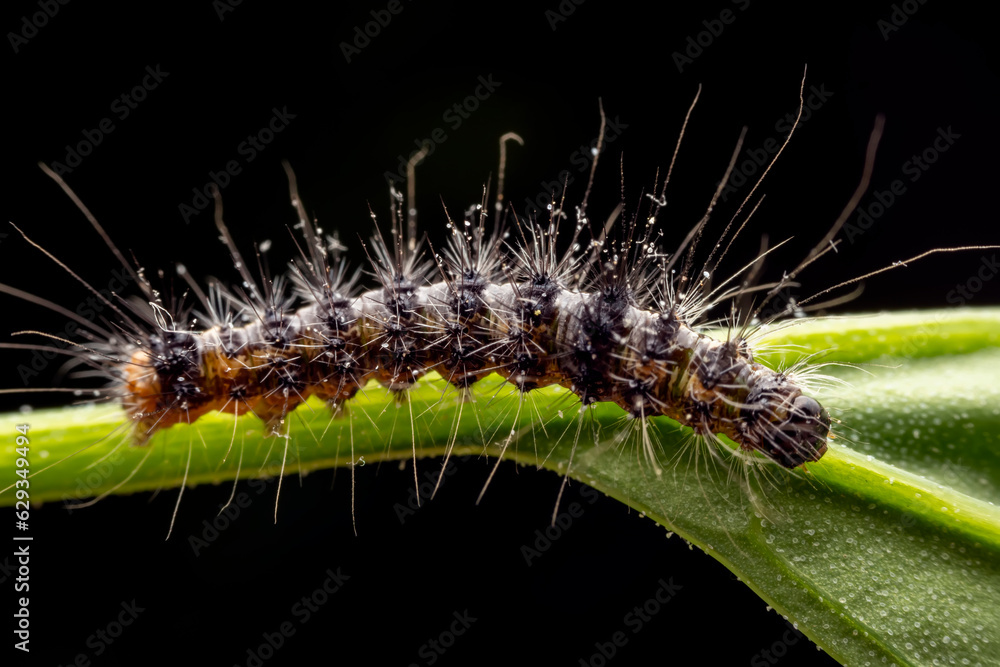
140	175
169	374
603	341
609	320
535	330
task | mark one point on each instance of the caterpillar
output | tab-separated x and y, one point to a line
169	352
535	330
611	321
108	512
167	375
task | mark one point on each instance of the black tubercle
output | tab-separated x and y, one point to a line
277	330
400	297
538	300
175	353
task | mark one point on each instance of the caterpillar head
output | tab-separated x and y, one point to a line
801	436
793	433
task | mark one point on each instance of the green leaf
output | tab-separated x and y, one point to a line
888	549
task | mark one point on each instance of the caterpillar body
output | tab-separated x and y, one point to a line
532	330
610	320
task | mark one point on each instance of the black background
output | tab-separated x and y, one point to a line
351	122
